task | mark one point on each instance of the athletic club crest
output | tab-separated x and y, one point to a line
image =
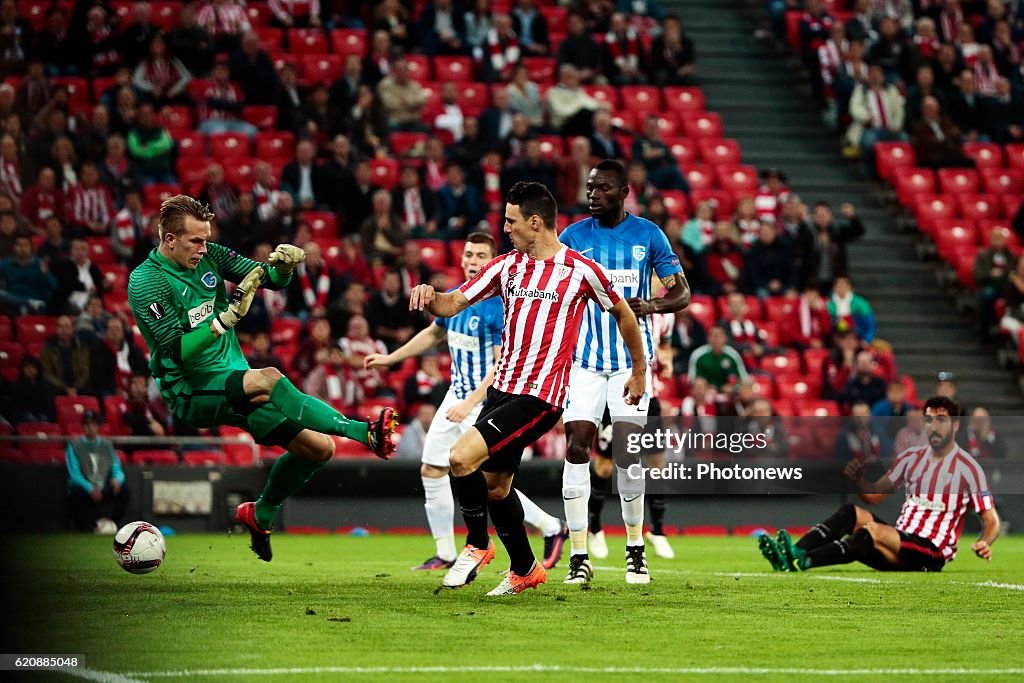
639	251
209	280
562	272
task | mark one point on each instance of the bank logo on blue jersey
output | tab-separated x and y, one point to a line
209	280
639	251
474	323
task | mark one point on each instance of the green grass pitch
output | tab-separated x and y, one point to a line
340	608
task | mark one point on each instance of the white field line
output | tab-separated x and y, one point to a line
547	668
99	676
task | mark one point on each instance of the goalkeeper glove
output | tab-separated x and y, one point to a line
285	257
240	301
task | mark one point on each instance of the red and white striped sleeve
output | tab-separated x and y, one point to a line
596	283
901	465
487	282
977	482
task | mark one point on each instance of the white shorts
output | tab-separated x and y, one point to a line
443	432
590	392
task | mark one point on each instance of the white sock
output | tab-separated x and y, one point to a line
537	518
576	494
440	507
631	495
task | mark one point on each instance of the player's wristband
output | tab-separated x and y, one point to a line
219	326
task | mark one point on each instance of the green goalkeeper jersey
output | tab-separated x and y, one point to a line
168	302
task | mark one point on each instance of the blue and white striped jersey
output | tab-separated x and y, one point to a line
631	253
472	336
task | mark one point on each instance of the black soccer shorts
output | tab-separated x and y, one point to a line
917	554
509	423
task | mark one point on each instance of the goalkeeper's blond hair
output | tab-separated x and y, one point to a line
174	210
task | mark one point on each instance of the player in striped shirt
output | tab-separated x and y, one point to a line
632	250
544	287
180	302
942	482
474	340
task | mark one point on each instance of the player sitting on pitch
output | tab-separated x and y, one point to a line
182	308
942	482
474	339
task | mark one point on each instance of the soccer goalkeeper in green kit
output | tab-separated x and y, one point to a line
181	305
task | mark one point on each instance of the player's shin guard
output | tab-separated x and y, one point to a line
507	515
631	494
576	494
314	414
472	490
832	529
656	503
287	476
440	506
850	549
533	515
600	489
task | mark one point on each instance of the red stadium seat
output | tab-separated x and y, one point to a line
166	14
684	150
434	254
78	88
262	116
929	208
1015	155
39	429
275	144
541	69
764	386
626	121
793	28
192	172
46	454
700	177
191	144
604	93
402	143
1003	180
271	37
778	309
702	309
285	331
322	69
113	408
307	41
950	233
724	202
116	301
784	363
384	172
958	181
642	99
455	250
203	458
963	263
814	361
818	408
551	146
455	69
1011	204
419	67
740	180
702	125
35	328
258	14
986	226
667	126
557	18
754	311
892	156
34	11
157	456
473	98
985	154
349	41
156	193
10	358
676	203
115	275
71	409
681	99
240	173
718	152
6	329
980	206
281	59
226	147
324	223
911	183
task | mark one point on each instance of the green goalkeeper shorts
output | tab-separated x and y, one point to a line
215	399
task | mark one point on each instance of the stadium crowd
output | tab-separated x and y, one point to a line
377	136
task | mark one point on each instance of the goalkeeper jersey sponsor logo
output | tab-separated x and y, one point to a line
200	313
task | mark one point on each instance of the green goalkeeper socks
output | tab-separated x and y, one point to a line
287	476
314	414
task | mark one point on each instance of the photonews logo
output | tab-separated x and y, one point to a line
200	313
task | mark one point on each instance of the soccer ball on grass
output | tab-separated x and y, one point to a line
139	547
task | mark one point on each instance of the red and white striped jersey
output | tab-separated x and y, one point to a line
939	493
544	303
